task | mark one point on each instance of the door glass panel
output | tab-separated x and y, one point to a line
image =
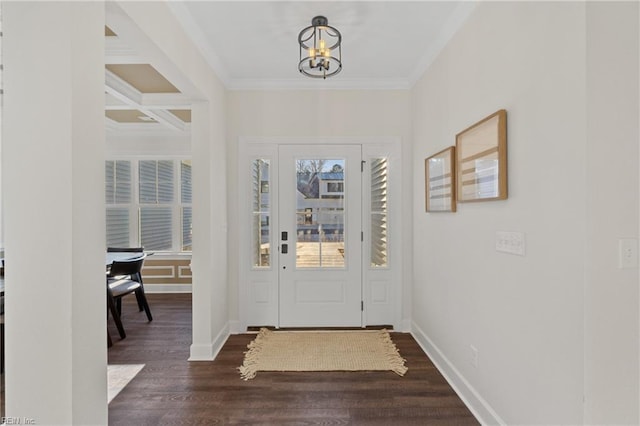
320	212
261	210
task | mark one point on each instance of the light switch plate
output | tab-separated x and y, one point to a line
627	253
510	242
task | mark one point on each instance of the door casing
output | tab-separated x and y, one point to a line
257	288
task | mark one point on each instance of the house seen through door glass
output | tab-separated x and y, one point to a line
320	213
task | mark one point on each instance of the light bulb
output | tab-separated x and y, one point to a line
312	52
321	44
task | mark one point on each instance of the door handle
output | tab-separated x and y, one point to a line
284	249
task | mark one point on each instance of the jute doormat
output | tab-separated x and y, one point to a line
321	351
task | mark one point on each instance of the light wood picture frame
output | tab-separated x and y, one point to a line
481	160
440	181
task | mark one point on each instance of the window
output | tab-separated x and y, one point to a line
185	191
148	203
335	187
261	212
156	202
118	199
379	212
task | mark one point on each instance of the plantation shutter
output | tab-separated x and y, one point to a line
155	228
117	199
185	194
379	212
185	181
156	197
117	227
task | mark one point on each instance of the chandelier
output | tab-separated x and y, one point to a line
320	49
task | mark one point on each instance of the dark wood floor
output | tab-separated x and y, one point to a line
172	391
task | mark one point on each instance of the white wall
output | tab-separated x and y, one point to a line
144	143
523	314
312	114
562	321
181	62
53	181
54	77
611	294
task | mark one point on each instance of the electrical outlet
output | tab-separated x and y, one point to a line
474	355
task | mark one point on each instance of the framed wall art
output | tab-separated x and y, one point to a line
481	160
440	177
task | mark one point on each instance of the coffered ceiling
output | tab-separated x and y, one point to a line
138	96
253	45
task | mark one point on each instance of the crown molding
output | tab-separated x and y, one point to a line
193	31
304	83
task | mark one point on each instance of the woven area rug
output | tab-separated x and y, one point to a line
321	351
119	376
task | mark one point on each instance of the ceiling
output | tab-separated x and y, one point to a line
253	45
386	44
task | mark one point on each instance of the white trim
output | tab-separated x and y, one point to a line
167	288
292	140
121	90
124	92
146	129
405	326
110	125
467	393
157	268
181	269
235	327
144	156
193	31
164	117
166	101
267	147
210	351
304	83
130	33
117	51
134	205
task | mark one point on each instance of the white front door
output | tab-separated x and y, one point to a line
319	235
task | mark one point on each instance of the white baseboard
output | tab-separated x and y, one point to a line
234	327
167	288
483	412
209	352
405	326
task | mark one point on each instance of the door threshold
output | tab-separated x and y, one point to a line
368	327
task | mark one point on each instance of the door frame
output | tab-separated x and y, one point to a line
257	289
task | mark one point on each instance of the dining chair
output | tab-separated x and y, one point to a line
138	276
121	282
